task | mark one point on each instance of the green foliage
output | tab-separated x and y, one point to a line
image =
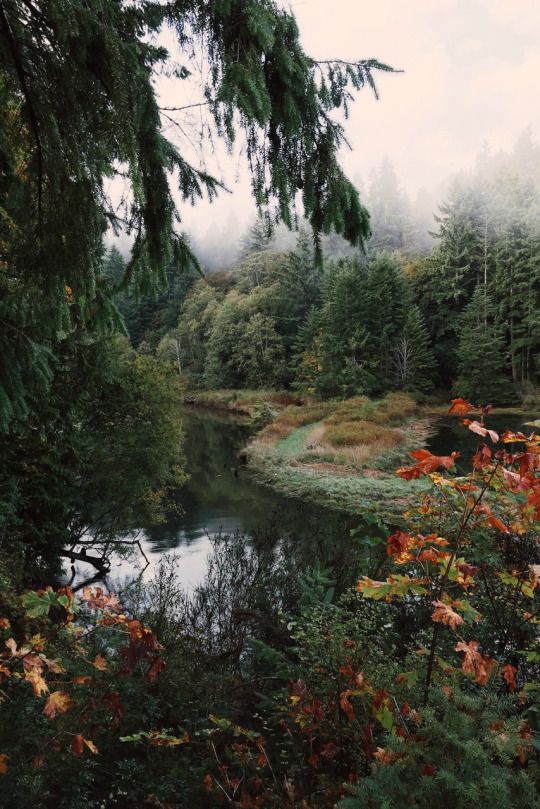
482	364
461	757
97	455
366	337
488	237
79	108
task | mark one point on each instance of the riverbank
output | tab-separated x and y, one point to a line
343	455
250	404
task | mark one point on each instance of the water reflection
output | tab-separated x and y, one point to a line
222	497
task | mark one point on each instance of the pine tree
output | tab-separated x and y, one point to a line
483	367
387	302
390	211
412	359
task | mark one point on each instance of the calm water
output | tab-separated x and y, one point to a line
223	497
452	436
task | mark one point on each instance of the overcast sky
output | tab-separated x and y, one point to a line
471	73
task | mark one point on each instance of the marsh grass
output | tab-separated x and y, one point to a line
244	402
394	409
342	454
292	418
353	433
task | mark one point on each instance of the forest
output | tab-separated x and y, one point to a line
415	311
381	650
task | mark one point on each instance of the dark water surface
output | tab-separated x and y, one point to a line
222	496
452	436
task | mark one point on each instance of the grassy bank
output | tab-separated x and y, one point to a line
342	454
252	404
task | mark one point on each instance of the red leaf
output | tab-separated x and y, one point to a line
208	782
479	429
77	745
511	438
427	463
498	524
157	665
397	543
460	407
345	705
509	674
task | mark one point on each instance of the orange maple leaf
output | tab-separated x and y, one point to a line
3	763
444	614
78	744
37	682
475	663
509	674
57	702
100	663
427	463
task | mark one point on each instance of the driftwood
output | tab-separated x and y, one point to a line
81	556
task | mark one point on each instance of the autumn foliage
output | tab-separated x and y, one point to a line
422	680
74	686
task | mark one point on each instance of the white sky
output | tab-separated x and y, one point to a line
471	73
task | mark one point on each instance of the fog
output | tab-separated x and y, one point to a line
468	90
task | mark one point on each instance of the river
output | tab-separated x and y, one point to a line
222	496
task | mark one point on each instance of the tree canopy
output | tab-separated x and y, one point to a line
79	107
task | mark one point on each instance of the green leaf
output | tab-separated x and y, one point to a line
386	718
37	605
409	678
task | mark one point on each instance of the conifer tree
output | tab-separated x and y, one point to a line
387	300
79	107
412	359
482	364
389	209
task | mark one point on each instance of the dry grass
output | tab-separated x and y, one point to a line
350	410
354	433
393	409
291	419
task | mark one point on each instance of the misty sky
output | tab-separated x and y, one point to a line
471	77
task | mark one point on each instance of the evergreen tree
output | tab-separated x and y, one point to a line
389	211
413	363
387	302
78	106
446	280
483	368
516	280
